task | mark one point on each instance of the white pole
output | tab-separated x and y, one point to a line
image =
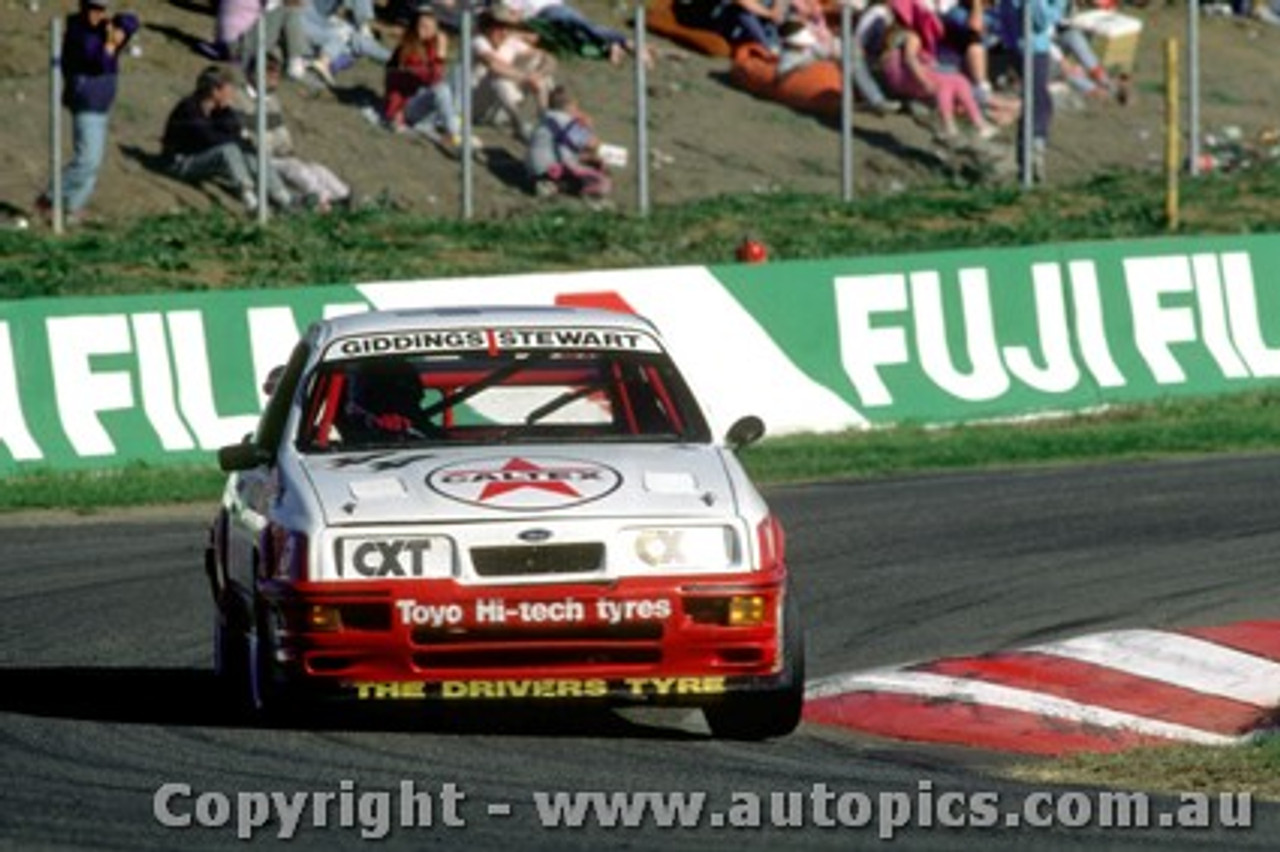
55	121
1028	95
260	86
642	115
1193	85
846	102
468	13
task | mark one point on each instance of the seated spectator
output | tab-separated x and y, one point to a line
755	21
813	16
336	41
315	182
508	66
1080	66
418	94
912	71
806	37
238	31
204	140
869	40
800	48
967	33
564	151
563	22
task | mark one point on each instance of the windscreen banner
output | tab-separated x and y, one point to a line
808	345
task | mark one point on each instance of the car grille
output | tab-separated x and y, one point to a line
522	560
502	646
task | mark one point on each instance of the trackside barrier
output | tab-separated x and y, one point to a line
808	346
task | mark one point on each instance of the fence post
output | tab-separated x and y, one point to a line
1028	97
55	122
1193	86
467	178
846	101
642	113
1171	134
260	115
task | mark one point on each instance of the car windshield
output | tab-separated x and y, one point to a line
381	401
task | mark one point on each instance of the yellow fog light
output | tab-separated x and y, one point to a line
324	618
746	610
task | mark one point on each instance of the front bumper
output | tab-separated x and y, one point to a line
666	640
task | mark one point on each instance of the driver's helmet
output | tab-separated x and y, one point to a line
378	386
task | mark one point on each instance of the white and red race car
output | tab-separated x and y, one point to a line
498	503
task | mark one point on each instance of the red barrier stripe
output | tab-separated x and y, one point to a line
1261	638
906	717
1099	686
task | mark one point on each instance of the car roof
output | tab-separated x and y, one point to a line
444	319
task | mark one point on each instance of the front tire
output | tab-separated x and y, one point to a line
769	713
270	697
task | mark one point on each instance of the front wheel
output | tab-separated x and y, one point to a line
769	713
270	697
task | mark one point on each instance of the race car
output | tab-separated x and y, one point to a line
499	504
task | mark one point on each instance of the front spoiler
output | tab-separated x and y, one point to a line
682	690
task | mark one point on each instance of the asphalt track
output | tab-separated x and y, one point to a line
105	693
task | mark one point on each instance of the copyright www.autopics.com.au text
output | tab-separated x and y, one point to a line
376	813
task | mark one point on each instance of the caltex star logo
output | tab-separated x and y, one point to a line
524	483
519	473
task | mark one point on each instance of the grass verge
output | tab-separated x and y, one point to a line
209	250
1236	423
1252	768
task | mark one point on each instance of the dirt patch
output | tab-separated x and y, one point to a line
711	139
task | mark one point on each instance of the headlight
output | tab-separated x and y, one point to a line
678	548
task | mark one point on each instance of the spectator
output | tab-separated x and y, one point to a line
1045	15
418	94
238	30
508	66
966	26
813	16
313	181
336	41
564	151
912	70
800	48
1080	64
806	36
755	21
870	37
91	46
566	23
204	139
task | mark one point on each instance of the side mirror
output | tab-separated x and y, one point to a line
246	456
272	381
746	431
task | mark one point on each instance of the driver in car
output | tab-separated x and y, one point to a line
383	400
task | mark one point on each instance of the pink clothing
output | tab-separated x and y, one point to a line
950	87
918	17
235	17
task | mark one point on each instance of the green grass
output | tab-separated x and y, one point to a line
213	249
133	485
1252	768
1237	423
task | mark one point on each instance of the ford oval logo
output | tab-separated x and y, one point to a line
535	536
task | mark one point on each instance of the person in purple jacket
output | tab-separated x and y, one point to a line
91	48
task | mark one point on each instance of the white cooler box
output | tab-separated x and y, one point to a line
1114	36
